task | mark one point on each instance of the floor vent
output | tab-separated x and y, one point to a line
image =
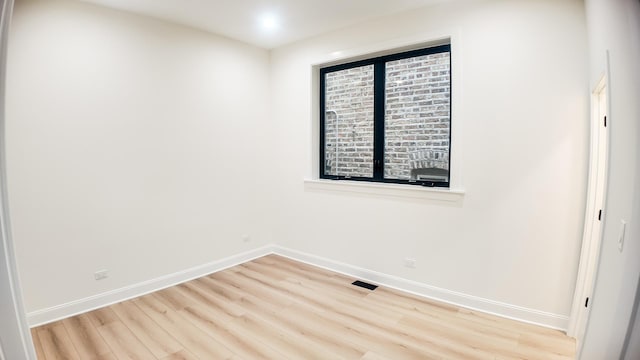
364	285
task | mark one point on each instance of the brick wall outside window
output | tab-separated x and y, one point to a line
417	117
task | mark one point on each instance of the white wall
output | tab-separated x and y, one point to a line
134	145
520	142
615	26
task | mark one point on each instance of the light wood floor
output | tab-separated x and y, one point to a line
276	308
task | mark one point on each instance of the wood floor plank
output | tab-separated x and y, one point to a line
292	346
553	346
293	328
123	343
108	356
37	344
276	308
411	302
181	355
213	285
445	320
192	338
279	292
361	335
194	293
304	271
357	307
230	335
271	271
155	338
319	276
173	298
240	281
85	337
102	316
370	355
455	344
56	344
251	299
504	323
323	335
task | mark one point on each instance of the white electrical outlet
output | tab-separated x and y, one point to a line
623	229
410	263
100	275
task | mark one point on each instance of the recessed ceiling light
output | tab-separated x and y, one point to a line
269	22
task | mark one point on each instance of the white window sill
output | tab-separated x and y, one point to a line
393	190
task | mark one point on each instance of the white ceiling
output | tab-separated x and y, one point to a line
241	19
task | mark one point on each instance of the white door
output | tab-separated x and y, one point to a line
15	338
595	214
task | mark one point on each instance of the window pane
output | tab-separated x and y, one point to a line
349	122
417	118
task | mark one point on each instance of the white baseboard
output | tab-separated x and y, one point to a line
501	309
80	306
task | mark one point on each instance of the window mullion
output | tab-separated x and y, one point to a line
322	125
378	119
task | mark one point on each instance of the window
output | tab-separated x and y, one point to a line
388	119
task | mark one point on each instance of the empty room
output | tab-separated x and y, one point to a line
307	179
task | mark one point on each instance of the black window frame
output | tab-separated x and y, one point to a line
379	115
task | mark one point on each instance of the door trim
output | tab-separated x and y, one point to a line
596	202
17	342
